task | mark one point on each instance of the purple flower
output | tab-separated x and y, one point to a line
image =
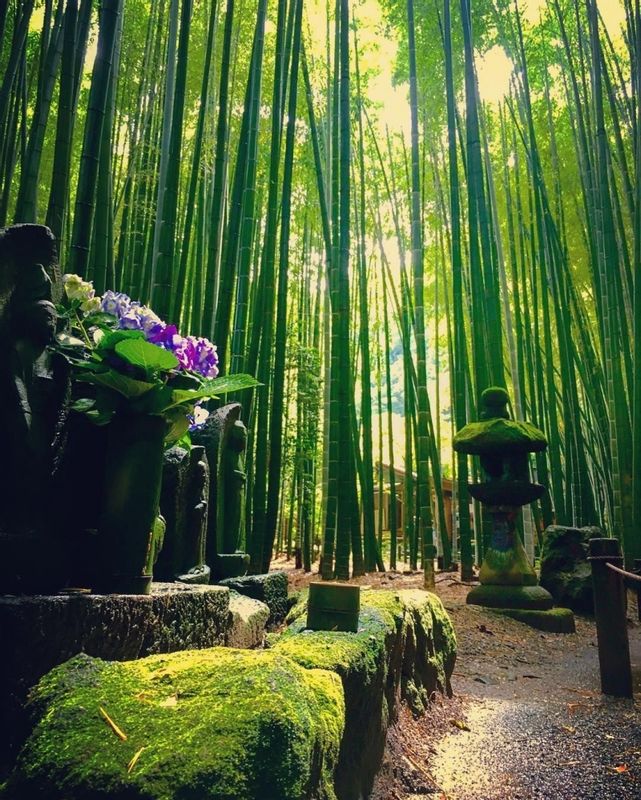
205	359
131	320
115	303
164	335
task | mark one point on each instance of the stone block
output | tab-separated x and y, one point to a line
208	724
404	648
247	622
270	588
41	632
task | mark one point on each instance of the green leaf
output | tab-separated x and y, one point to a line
229	383
178	425
111	339
155	402
83	405
66	340
145	355
127	387
102	319
182	396
99	417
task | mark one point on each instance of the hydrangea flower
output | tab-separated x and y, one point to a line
76	288
198	418
91	305
194	353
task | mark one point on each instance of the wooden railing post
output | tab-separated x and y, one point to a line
610	615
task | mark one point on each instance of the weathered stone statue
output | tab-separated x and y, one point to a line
224	438
34	389
184	503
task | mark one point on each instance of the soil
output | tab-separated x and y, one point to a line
527	720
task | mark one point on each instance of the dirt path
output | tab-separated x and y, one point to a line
527	720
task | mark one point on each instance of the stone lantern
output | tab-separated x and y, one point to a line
507	578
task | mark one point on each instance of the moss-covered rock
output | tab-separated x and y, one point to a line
270	588
501	435
405	647
45	631
554	620
221	723
526	597
565	569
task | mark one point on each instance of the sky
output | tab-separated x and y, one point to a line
378	51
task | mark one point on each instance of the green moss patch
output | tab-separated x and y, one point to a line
220	723
555	620
501	435
306	718
521	597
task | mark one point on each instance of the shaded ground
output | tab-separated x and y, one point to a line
527	721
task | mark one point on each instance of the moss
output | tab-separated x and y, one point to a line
217	723
526	597
307	718
507	567
499	435
554	620
404	647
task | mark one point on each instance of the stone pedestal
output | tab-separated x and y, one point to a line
40	632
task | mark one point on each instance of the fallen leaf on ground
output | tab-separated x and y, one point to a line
134	760
568	728
118	731
462	726
620	768
169	702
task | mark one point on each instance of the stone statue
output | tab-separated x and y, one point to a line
34	382
232	487
184	503
224	437
34	392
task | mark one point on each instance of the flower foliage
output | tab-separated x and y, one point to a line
125	359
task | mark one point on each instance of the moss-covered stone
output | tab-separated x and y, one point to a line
499	435
507	567
270	588
554	620
525	597
45	631
404	647
219	723
565	569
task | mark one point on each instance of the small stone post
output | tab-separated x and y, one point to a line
610	615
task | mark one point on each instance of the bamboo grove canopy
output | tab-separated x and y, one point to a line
379	208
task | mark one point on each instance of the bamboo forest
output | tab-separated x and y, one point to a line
378	209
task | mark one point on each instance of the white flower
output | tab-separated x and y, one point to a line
200	415
76	288
90	305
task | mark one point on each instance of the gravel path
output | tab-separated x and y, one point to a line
527	721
